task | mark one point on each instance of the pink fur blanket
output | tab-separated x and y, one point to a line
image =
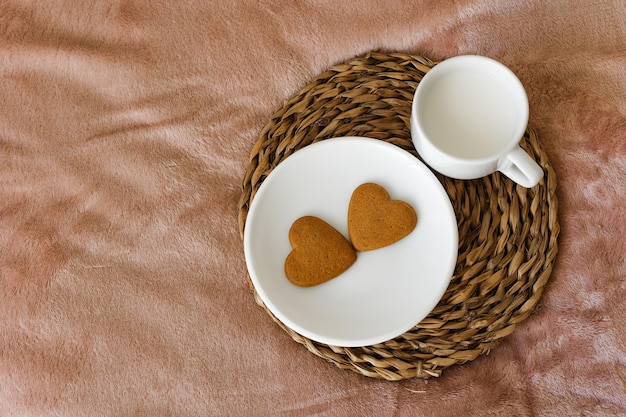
125	130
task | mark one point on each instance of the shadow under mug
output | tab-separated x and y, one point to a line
468	116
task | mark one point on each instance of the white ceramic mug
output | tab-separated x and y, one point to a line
468	116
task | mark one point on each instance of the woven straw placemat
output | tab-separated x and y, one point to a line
507	233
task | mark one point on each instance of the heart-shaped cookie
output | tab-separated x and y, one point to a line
375	221
320	253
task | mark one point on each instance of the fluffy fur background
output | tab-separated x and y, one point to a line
125	128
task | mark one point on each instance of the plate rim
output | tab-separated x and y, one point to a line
283	318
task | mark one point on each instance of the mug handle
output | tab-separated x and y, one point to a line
520	167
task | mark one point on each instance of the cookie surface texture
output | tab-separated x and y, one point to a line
376	221
320	253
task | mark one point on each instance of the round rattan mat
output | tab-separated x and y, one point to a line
507	233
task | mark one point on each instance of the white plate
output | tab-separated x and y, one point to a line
386	291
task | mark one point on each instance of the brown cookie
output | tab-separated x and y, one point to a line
375	221
320	253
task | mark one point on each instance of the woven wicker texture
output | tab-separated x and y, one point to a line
507	233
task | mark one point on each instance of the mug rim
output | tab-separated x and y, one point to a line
453	62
